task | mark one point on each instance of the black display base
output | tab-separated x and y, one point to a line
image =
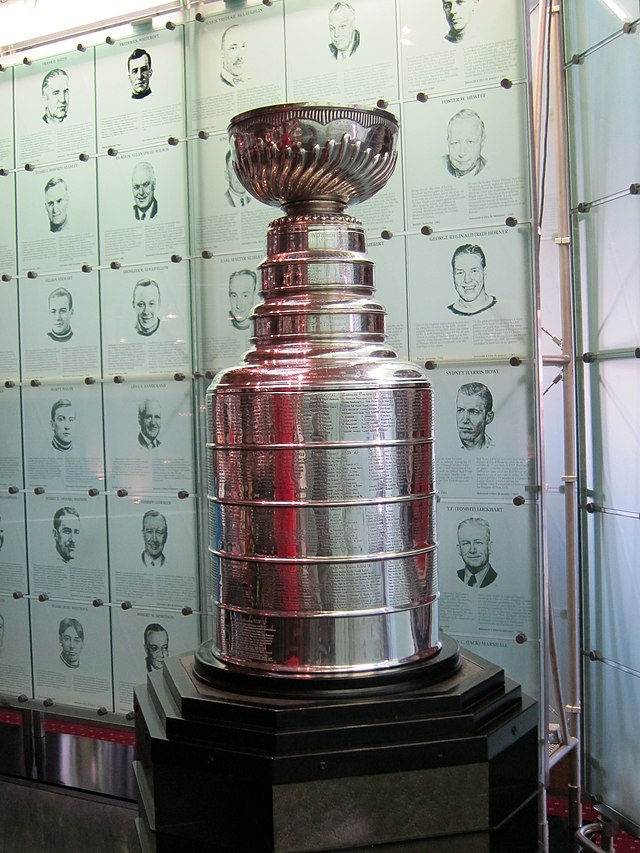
212	671
450	767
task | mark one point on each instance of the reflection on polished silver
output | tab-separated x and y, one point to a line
312	156
320	465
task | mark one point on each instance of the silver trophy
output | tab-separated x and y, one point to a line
320	459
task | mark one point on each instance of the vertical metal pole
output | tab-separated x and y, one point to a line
33	742
574	687
538	80
537	113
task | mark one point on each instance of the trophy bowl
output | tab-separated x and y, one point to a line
322	156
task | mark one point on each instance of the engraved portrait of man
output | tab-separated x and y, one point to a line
475	546
156	646
154	534
242	297
139	73
55	96
474	413
233	53
56	203
460	16
150	422
465	137
345	38
469	268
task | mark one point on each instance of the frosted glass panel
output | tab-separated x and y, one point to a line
613	591
15	644
607	157
614	594
615	386
613	746
609	260
142	639
521	661
587	23
443	53
499	325
503	601
605	121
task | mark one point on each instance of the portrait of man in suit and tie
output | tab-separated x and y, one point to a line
242	298
235	194
143	187
150	421
55	96
66	533
156	646
466	136
345	38
154	533
475	546
233	53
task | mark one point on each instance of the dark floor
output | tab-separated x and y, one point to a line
558	835
559	838
45	819
36	819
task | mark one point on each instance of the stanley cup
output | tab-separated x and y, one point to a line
320	460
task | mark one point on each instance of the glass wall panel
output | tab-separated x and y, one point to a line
613	747
15	647
130	266
13	555
614	594
615	386
498	600
440	326
608	261
520	658
586	24
605	120
440	53
555	516
606	158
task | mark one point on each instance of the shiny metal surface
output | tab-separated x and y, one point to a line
295	155
326	587
365	415
331	274
320	456
311	645
339	529
322	473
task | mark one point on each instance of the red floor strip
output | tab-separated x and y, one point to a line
123	736
623	843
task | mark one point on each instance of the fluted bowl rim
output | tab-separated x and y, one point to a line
289	155
300	108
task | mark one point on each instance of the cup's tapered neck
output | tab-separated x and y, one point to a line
314	206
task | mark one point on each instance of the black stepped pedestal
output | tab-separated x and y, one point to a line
450	767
